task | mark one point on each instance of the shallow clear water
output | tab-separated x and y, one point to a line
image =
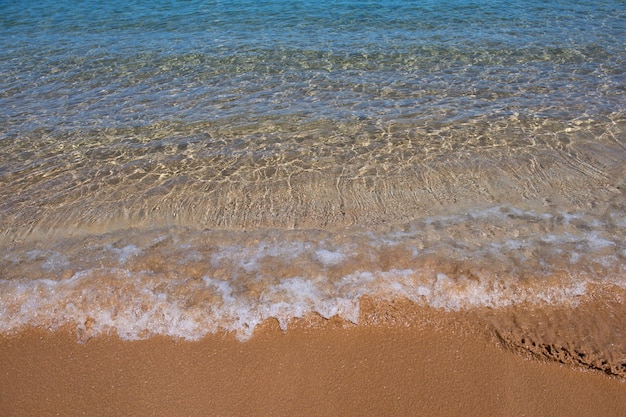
177	167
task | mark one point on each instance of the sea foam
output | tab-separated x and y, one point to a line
187	283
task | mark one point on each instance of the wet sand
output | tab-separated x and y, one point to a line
439	365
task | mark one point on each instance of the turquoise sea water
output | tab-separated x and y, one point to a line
176	167
104	64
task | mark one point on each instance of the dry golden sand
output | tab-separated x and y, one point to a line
440	365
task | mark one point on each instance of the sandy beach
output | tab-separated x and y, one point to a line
329	208
440	365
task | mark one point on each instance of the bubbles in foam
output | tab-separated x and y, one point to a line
329	258
126	252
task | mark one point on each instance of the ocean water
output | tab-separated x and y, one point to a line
180	167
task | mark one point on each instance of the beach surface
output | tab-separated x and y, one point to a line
439	365
330	208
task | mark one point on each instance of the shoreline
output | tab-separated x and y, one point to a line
436	364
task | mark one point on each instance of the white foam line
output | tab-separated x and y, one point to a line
140	306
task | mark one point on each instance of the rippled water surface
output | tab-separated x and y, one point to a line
180	167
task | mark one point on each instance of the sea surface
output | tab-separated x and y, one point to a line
184	167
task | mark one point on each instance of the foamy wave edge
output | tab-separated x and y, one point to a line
187	283
138	306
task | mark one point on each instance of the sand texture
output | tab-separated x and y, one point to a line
440	365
